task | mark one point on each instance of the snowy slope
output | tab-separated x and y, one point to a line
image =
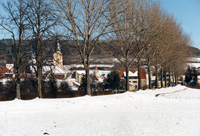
174	112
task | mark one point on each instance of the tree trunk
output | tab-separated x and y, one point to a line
165	73
39	80
173	79
88	91
156	80
169	78
149	74
18	94
161	74
18	55
176	79
127	79
139	76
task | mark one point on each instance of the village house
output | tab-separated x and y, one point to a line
5	75
54	68
97	73
133	78
195	63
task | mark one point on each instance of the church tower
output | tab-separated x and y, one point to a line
57	56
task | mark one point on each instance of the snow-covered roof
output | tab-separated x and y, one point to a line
131	74
70	79
196	65
101	72
194	59
82	72
183	76
48	69
55	69
104	72
74	88
67	67
76	83
132	84
96	65
8	73
4	80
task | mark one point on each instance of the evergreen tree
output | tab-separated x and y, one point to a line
191	76
194	77
113	80
83	84
188	73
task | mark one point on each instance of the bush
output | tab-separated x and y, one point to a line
1	88
8	90
83	84
113	80
64	87
29	85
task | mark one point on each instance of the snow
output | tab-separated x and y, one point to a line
76	83
131	74
68	67
47	69
55	69
74	88
70	79
132	84
5	80
65	80
174	112
96	65
194	59
82	72
101	72
194	62
196	65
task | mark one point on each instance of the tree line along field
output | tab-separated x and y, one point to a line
135	30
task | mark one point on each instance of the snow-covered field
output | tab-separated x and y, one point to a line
174	112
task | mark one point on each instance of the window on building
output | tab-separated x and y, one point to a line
133	77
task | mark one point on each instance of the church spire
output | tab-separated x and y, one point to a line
57	56
57	43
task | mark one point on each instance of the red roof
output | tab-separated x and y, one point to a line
3	70
142	73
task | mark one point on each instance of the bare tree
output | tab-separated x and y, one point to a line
41	20
169	48
134	30
15	23
150	24
87	21
124	35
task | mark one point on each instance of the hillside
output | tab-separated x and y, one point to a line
69	50
195	51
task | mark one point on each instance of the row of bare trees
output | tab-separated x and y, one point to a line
29	20
145	33
140	31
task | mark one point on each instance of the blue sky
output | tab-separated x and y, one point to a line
187	12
